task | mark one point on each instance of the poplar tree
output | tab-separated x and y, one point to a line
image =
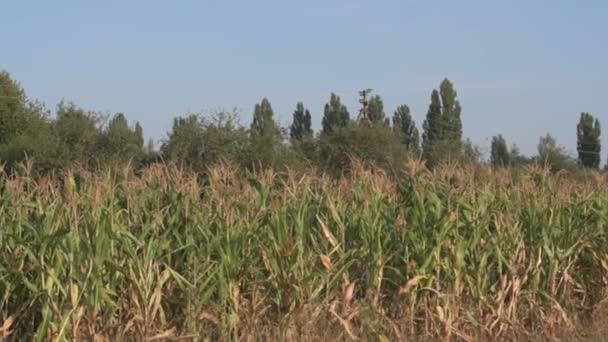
301	124
500	155
405	128
376	111
335	115
588	141
442	136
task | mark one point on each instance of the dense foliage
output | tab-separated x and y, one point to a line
75	136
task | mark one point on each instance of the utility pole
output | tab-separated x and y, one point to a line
364	111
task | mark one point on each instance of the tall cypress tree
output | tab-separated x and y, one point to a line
301	124
442	136
588	141
500	152
451	111
263	120
335	115
376	110
139	136
405	128
265	136
432	128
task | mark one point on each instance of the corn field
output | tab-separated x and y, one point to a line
457	254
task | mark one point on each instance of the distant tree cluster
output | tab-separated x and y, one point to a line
73	136
90	139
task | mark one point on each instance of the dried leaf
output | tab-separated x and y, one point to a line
411	283
326	262
165	334
206	316
326	233
440	313
6	326
348	294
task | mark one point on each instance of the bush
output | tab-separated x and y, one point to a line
375	144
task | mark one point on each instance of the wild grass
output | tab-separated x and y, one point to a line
461	253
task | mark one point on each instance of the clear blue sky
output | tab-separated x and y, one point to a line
521	68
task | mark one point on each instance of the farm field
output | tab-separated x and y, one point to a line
303	171
458	254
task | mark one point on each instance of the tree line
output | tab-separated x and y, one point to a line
91	139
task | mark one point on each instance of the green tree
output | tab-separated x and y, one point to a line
500	153
78	133
588	141
263	120
375	144
120	143
139	135
470	152
335	115
451	111
265	137
150	155
223	138
185	142
553	156
518	159
442	136
13	111
38	143
432	128
376	111
405	128
201	142
301	124
25	131
303	148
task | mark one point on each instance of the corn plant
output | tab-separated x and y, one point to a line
459	253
